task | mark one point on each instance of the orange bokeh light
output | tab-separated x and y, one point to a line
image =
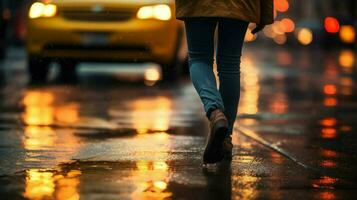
305	36
346	58
328	133
326	180
327	195
329	102
331	25
328	122
281	5
328	164
288	25
280	39
348	34
328	153
330	89
346	128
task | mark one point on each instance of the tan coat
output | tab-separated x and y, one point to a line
256	11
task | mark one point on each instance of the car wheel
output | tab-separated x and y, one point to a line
186	67
170	72
173	71
2	52
38	69
68	70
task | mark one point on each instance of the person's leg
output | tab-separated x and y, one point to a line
200	39
230	42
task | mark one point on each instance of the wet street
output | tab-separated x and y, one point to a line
113	135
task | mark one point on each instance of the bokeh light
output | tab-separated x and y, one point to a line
281	5
268	31
348	34
346	58
280	39
152	74
328	133
288	25
278	28
332	25
330	89
329	121
330	101
249	37
305	36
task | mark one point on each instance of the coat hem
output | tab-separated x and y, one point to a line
214	16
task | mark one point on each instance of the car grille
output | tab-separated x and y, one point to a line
102	16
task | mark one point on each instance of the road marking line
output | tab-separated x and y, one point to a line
251	134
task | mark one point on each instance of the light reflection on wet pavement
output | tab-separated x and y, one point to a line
108	138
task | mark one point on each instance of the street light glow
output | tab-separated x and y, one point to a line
305	36
280	39
332	25
348	34
288	25
281	5
346	59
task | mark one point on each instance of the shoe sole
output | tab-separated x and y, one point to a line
214	149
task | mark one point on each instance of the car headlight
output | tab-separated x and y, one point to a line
39	9
160	12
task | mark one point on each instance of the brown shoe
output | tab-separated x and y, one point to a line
218	130
227	147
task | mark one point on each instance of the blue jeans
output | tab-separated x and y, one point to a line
200	38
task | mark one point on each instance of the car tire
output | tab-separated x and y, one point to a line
170	72
68	70
38	69
173	71
186	67
2	52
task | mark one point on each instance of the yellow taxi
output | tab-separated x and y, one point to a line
71	31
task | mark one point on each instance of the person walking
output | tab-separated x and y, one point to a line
231	18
